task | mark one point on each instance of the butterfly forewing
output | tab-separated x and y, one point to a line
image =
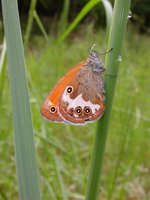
50	108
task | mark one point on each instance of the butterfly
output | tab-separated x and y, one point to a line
79	97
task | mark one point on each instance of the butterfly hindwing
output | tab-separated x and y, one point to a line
83	98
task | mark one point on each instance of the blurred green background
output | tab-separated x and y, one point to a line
64	152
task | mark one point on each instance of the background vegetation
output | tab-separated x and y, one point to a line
46	8
64	152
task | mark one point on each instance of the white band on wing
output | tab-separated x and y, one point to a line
79	101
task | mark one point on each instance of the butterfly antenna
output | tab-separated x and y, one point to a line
92	47
100	53
106	52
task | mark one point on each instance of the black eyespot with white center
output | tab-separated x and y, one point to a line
69	89
52	109
87	110
78	110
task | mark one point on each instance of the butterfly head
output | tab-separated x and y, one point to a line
95	62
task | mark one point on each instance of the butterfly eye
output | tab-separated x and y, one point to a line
69	89
52	109
87	110
78	110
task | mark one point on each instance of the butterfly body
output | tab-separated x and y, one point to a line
78	98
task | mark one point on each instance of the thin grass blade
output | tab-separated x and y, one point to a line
27	173
118	27
79	17
37	19
61	184
109	12
127	128
30	22
63	22
2	67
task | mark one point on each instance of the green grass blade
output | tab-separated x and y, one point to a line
119	21
23	132
61	184
63	22
37	19
30	22
2	67
127	128
108	11
79	17
52	144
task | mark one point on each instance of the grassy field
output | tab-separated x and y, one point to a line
63	152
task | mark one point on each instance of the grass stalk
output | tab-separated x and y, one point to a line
87	8
126	130
30	22
117	32
108	11
27	173
60	180
79	17
52	144
2	67
63	22
37	19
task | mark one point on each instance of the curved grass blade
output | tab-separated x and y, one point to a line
117	32
79	17
83	13
27	173
108	11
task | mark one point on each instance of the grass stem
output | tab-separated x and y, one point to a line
27	173
30	22
117	32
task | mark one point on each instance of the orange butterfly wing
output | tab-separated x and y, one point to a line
49	108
